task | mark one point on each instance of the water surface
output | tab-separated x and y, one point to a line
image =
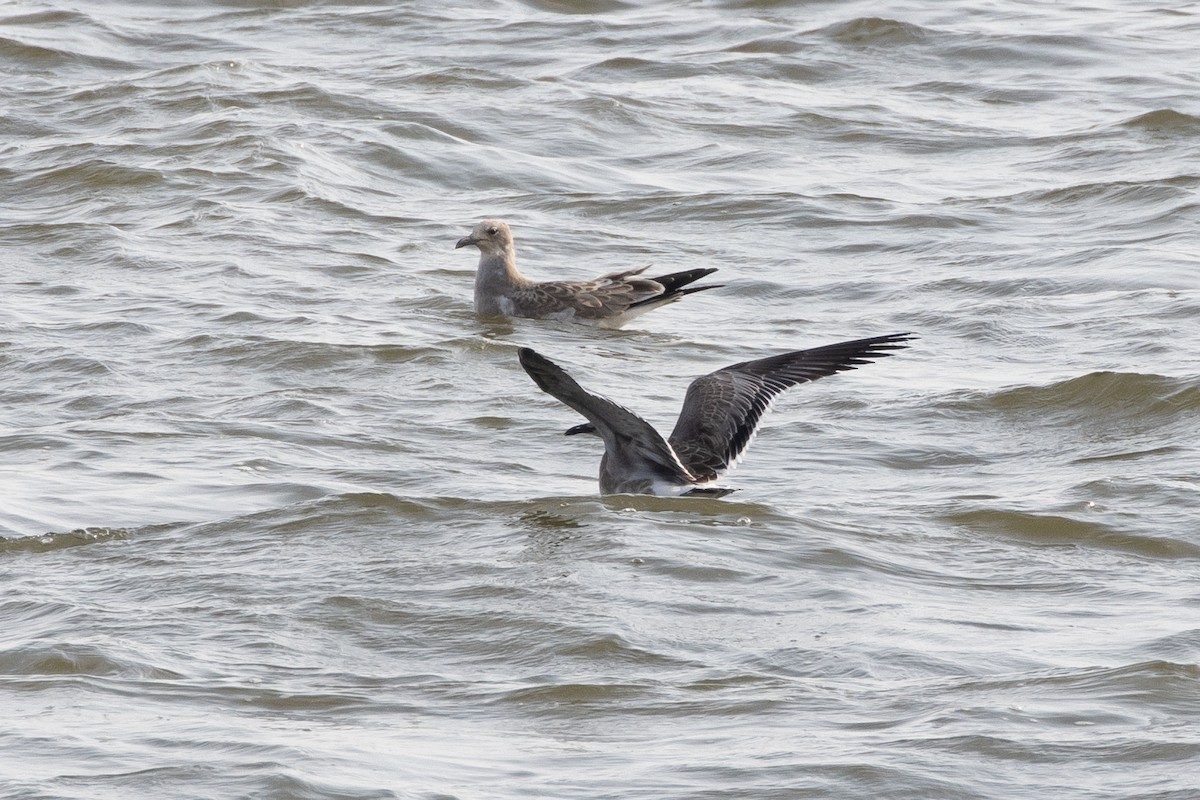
281	517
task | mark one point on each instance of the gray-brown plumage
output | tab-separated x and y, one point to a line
720	414
608	301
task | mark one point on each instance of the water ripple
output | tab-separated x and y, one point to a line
282	517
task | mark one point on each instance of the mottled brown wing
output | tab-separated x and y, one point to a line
722	409
608	296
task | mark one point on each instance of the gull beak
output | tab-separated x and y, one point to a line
466	240
586	427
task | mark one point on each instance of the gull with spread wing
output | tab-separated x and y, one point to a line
607	302
720	414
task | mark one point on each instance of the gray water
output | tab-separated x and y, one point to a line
282	518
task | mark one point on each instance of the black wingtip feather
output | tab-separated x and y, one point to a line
677	280
811	364
674	283
541	369
529	357
673	295
708	491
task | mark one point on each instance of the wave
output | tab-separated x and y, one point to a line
1164	119
1126	394
1055	529
1136	194
77	659
872	31
39	56
51	542
578	7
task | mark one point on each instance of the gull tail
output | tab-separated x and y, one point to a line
673	287
708	491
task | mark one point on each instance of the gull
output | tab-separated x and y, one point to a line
607	302
721	411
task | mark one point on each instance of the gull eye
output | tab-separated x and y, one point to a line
492	231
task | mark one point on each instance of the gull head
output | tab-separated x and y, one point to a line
586	427
491	236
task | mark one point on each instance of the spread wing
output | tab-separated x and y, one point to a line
722	409
627	437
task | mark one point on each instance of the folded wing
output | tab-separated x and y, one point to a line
609	296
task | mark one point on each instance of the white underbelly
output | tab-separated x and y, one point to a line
660	488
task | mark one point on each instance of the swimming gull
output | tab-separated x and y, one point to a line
607	302
720	414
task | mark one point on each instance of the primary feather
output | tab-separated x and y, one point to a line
720	413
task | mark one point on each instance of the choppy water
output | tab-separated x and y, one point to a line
282	518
